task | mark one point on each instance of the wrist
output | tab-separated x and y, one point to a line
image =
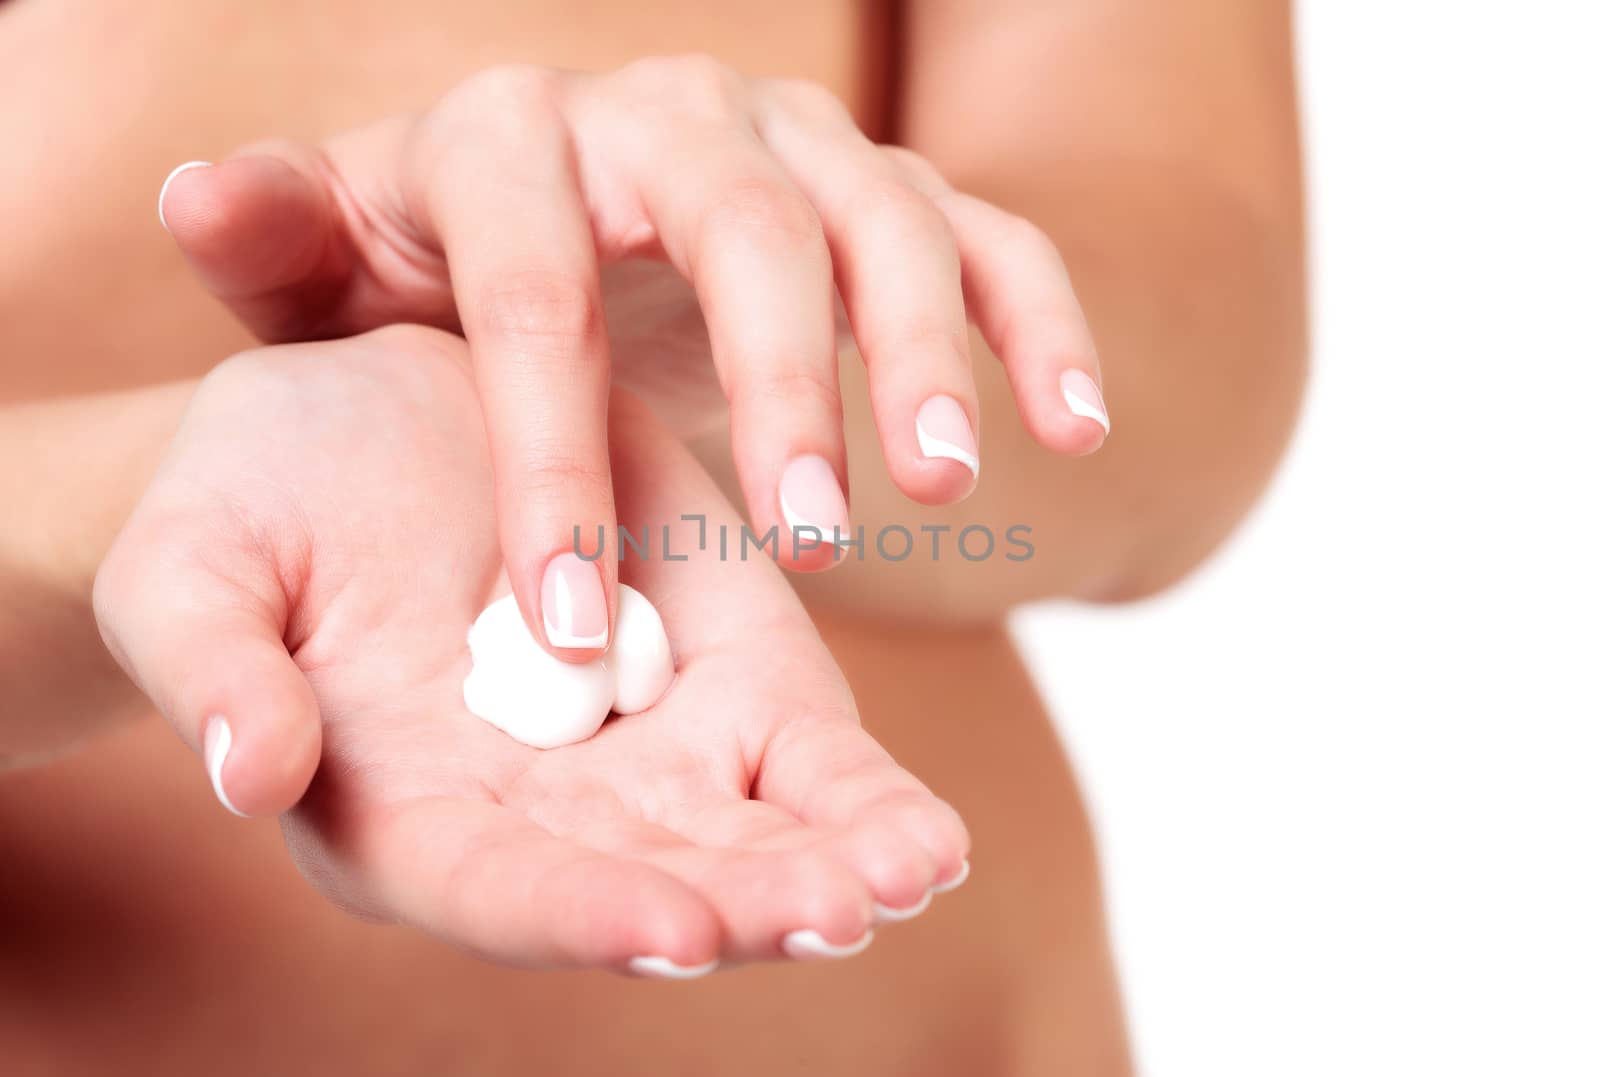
71	471
79	465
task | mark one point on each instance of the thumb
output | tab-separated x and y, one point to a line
209	652
265	235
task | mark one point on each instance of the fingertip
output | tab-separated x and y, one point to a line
945	467
571	609
928	823
1064	412
934	481
1081	395
217	746
943	834
801	555
809	944
813	530
249	224
1084	438
835	903
954	881
255	774
261	753
688	939
166	188
641	912
894	865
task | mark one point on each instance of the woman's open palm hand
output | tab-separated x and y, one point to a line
295	590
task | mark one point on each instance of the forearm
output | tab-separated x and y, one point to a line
1196	302
70	472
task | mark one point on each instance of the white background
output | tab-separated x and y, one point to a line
1347	779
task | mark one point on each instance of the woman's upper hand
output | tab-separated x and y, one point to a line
496	210
294	592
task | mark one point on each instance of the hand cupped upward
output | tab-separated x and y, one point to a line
295	592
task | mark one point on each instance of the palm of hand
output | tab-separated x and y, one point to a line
747	805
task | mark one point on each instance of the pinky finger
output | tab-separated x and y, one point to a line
1023	303
1018	292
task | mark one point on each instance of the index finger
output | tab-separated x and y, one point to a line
499	193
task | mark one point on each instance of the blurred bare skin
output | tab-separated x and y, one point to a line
144	929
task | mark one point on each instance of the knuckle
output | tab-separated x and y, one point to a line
705	79
498	105
931	336
787	386
1023	236
810	100
698	82
766	209
889	205
519	87
550	475
538	304
917	168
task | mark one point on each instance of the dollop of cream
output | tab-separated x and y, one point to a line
546	703
640	658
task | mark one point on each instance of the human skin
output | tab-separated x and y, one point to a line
310	555
1154	143
493	212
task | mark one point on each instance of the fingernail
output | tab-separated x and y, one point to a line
1083	397
217	739
808	943
574	603
161	199
809	496
885	914
959	878
943	432
664	968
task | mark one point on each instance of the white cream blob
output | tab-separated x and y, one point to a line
546	703
640	657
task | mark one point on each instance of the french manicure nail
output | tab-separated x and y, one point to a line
885	914
1083	397
809	943
216	741
955	881
664	968
809	496
161	199
943	432
574	603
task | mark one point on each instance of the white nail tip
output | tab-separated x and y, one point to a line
664	968
1079	406
161	199
960	877
218	740
809	943
559	638
795	520
937	447
885	914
